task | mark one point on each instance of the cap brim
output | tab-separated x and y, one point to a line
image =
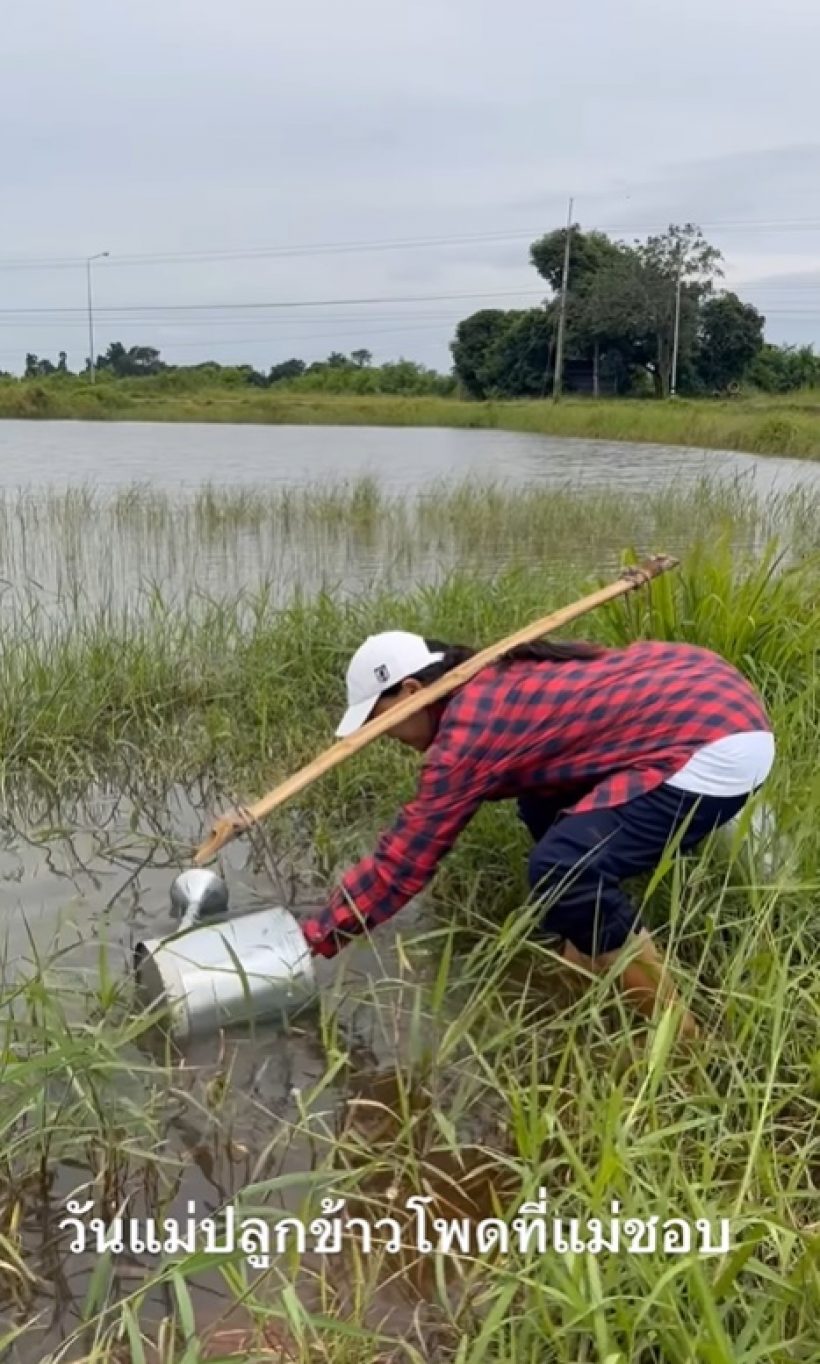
356	716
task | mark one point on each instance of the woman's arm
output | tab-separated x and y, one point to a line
404	860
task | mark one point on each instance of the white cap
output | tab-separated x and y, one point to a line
377	665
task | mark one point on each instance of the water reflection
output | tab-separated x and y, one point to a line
402	459
79	551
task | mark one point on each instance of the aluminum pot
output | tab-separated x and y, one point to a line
256	966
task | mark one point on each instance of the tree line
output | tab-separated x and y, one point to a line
635	317
338	373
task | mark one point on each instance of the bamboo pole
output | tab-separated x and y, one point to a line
230	826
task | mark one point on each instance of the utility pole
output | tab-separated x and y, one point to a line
674	379
92	371
559	348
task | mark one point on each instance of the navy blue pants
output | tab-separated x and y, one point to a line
579	860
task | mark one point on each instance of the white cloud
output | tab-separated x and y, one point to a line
191	124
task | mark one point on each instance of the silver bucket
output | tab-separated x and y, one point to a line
257	966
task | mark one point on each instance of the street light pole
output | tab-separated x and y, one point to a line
92	373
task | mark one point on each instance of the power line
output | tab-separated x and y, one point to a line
139	308
261	252
281	325
22	262
199	323
798	289
272	341
159	324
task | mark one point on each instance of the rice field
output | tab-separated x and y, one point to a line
75	552
443	1059
762	424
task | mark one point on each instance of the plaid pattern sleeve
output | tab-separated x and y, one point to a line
598	731
404	860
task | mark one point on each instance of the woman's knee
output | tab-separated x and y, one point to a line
543	866
582	897
571	853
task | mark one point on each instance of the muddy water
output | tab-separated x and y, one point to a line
100	877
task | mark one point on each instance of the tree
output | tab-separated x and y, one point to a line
362	358
782	369
591	253
475	337
37	368
628	307
62	362
251	376
144	360
336	360
134	363
286	369
115	359
402	376
679	255
505	354
730	336
682	249
518	359
598	268
621	299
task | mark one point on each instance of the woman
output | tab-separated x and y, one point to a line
610	754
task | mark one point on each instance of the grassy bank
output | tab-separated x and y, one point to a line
446	1064
770	426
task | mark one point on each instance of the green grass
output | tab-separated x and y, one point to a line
73	554
760	425
481	1059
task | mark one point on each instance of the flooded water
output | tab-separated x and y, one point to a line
80	888
402	459
92	514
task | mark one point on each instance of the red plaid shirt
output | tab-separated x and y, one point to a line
615	726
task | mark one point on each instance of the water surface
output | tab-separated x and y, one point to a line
172	455
95	514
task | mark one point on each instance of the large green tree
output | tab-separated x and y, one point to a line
591	253
133	362
286	369
630	305
730	336
622	305
519	359
680	255
472	349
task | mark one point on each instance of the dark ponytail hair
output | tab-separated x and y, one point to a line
561	651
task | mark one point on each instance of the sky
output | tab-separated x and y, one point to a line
272	179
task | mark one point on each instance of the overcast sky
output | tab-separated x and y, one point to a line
198	126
